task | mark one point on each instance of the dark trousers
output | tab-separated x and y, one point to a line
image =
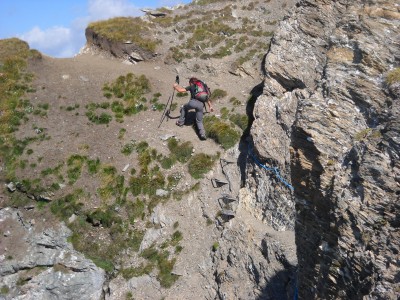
198	106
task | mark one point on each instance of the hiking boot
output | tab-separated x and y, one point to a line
179	124
203	137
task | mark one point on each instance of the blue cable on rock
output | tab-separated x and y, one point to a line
274	169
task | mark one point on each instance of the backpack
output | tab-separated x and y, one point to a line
202	91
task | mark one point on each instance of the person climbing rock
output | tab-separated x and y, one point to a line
199	95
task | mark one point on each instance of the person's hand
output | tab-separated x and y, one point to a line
175	85
211	109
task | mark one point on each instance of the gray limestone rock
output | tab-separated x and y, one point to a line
39	263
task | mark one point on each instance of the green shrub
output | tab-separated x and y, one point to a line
13	47
18	200
127	149
131	89
224	113
218	94
142	146
393	76
176	54
68	205
200	164
241	120
176	238
182	151
222	132
117	107
104	250
4	290
136	209
49	171
173	180
103	118
93	165
215	246
112	184
164	265
121	133
147	182
129	273
105	264
168	162
165	276
235	101
107	217
75	163
144	159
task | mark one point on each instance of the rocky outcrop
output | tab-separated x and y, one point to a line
38	263
253	261
123	50
327	106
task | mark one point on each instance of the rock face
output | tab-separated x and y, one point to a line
328	119
39	263
126	49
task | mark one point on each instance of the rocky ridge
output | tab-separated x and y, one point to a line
325	102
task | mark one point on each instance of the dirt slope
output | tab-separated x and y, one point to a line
77	81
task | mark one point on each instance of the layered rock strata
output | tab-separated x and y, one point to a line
327	105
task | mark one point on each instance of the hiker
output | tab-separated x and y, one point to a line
193	104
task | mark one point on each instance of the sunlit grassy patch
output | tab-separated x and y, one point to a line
222	132
67	206
182	151
122	29
75	163
201	164
393	76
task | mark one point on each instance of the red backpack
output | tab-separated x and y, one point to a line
202	91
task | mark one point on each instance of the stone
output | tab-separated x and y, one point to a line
11	187
46	249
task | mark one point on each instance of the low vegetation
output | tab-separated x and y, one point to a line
201	164
123	201
393	76
15	110
216	37
125	204
124	29
222	132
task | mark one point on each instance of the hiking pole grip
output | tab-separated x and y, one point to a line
177	79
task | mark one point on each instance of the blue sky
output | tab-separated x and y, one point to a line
57	27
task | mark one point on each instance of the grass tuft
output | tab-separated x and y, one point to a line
201	164
393	76
122	29
223	133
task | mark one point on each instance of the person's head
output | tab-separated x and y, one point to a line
192	80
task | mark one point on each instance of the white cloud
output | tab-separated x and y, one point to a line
105	9
66	42
55	41
168	3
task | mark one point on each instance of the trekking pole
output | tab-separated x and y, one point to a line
167	108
